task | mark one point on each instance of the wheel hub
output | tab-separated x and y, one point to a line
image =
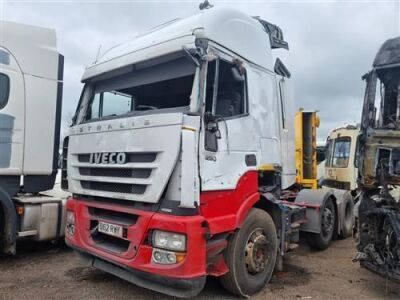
256	252
327	221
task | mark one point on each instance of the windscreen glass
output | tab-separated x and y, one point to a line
341	153
164	86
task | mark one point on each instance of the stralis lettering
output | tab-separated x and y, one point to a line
107	158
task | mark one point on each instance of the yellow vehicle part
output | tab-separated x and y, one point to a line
306	124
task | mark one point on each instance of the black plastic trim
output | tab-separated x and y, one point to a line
251	160
172	207
4	103
182	288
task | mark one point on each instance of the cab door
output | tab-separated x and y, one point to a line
12	110
229	136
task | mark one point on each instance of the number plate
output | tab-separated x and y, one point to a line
110	229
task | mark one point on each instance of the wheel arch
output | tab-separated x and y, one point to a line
314	200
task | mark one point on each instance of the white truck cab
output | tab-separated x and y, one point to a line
340	162
31	74
181	159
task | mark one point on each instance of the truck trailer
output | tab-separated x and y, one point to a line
31	80
181	159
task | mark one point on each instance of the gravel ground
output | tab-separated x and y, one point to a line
44	271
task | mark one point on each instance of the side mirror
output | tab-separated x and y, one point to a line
212	132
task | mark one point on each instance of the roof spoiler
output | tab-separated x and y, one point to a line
275	34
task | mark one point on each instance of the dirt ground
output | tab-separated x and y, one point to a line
43	271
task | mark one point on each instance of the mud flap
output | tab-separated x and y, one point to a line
312	200
9	232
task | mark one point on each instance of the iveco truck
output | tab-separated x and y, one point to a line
181	159
31	80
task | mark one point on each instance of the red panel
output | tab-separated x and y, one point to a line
138	255
223	211
226	210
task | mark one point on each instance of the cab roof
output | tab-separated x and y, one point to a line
244	35
34	48
389	54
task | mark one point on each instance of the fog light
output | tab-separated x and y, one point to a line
164	257
70	223
157	256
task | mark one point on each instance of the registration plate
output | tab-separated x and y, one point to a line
110	229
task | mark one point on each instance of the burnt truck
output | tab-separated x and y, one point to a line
379	165
185	159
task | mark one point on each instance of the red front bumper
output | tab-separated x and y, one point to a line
136	253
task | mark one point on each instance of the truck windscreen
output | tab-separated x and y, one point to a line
163	86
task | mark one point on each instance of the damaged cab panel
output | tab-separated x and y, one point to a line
379	165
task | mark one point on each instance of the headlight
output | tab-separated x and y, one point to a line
169	240
70	226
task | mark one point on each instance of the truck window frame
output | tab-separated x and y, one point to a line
4	101
91	87
347	139
215	91
100	110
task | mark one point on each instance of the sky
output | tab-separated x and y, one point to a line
332	43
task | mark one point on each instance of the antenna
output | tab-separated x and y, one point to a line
98	54
205	5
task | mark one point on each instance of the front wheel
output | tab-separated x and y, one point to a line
251	255
321	240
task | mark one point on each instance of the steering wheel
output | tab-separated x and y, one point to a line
145	107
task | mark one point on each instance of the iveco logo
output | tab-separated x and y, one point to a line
108	158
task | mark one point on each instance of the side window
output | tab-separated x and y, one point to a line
226	93
211	84
341	153
4	90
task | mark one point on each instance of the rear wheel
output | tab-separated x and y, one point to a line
348	217
251	255
321	240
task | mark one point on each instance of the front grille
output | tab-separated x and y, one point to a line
147	157
117	172
114	187
127	219
133	176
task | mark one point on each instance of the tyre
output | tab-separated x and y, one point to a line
251	255
348	217
321	241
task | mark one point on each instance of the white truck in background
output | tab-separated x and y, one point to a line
340	159
31	82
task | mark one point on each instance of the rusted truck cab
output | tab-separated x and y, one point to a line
379	165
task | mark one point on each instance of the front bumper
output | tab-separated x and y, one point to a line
134	263
182	288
